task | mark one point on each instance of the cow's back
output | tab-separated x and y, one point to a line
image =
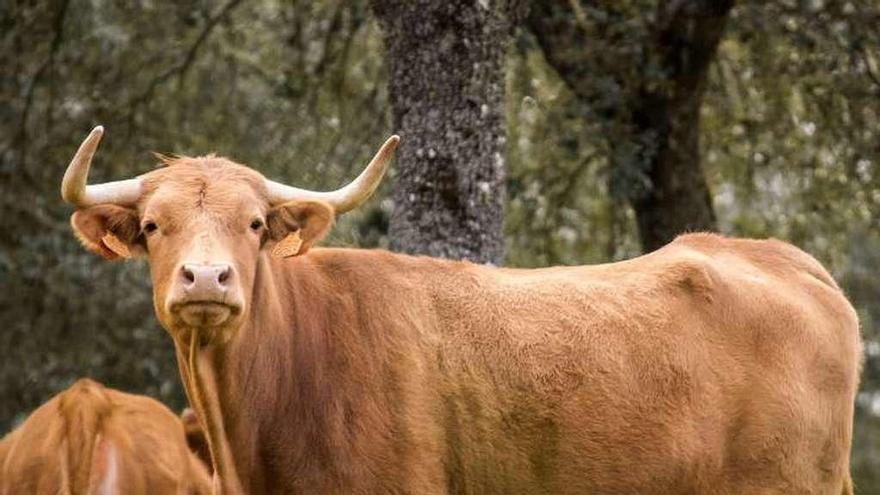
710	366
90	439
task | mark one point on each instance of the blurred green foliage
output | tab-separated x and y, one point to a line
790	143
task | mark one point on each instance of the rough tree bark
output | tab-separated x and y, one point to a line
446	61
662	121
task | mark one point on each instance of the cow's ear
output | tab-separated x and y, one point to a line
109	230
294	227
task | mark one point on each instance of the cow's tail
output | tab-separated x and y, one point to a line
87	458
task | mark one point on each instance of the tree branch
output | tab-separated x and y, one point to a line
868	69
183	67
58	28
206	31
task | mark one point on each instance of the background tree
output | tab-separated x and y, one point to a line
639	68
446	62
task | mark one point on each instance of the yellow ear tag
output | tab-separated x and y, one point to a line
114	244
289	246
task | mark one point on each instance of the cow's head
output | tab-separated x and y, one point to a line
203	223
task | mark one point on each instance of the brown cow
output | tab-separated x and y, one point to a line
94	440
712	365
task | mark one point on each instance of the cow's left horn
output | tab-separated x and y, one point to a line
74	189
350	196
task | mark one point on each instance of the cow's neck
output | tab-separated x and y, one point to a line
281	370
203	391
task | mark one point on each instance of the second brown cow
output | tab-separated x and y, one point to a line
91	440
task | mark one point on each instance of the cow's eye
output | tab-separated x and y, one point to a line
256	224
150	227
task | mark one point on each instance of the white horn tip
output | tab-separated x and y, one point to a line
390	145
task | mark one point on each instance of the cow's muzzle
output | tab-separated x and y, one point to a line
204	296
204	314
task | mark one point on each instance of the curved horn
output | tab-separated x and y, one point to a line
350	196
74	189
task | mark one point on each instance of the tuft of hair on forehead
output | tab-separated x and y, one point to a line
166	160
172	159
207	169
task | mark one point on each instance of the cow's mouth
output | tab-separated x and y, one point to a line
205	313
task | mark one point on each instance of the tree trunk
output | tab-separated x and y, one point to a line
679	200
447	92
653	130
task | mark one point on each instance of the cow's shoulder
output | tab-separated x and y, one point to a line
774	258
689	271
771	283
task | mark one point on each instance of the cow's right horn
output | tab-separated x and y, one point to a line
74	188
348	197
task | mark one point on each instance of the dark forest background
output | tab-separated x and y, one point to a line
534	134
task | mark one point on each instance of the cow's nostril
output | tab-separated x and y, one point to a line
188	274
205	281
223	276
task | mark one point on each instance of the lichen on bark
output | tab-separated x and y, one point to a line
446	80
